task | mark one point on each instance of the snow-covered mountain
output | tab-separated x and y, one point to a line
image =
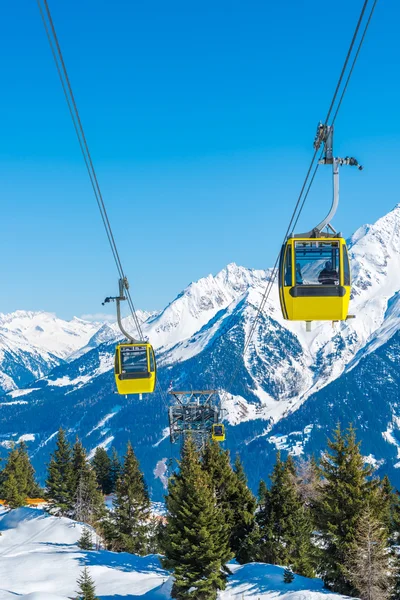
199	339
32	343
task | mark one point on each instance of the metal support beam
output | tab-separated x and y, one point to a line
193	413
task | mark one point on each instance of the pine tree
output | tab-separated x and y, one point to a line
233	496
345	492
386	505
115	469
217	464
367	564
60	476
262	492
18	478
85	542
288	576
79	465
102	466
131	508
86	589
197	537
11	492
284	523
89	503
244	505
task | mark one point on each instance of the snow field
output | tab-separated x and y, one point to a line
40	560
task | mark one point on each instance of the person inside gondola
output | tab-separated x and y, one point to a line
328	275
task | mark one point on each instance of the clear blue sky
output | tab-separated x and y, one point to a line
200	117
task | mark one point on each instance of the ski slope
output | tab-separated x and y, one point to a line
40	560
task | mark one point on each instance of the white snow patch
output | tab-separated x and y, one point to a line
13	402
164	436
371	460
27	437
160	472
17	393
104	444
260	581
66	381
104	420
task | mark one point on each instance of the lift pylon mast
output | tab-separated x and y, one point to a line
193	412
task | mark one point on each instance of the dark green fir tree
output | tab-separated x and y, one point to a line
346	490
288	575
244	505
131	518
79	464
11	492
196	536
217	464
86	587
59	482
18	478
85	542
262	492
102	467
284	523
115	469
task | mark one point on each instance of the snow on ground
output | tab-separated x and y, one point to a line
259	581
40	560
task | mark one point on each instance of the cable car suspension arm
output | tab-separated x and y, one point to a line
123	285
324	136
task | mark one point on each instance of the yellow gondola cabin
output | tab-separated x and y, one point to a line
218	432
314	279
135	368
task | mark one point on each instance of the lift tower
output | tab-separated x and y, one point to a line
194	412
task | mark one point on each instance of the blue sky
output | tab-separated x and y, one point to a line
200	117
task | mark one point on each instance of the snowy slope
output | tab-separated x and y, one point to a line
32	343
40	560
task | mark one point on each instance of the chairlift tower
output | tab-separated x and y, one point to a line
194	413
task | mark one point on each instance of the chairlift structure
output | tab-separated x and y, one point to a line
194	412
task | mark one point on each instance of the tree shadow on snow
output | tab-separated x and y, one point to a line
122	561
161	592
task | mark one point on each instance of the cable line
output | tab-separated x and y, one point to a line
75	116
79	130
299	207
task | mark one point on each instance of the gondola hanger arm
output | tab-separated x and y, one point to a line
123	285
